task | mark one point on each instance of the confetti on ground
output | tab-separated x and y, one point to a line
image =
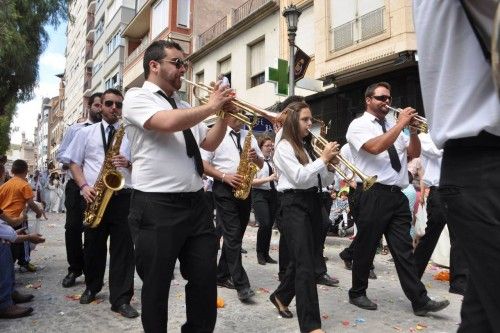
263	290
73	297
97	301
397	328
220	302
360	320
442	276
325	316
36	285
51	225
345	322
421	327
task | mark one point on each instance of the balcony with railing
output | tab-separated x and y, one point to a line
138	51
211	33
249	7
90	26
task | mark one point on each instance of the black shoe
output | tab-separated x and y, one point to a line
348	264
283	314
126	310
363	302
431	306
19	298
261	259
372	275
87	297
327	280
69	280
226	284
245	294
243	251
15	311
270	260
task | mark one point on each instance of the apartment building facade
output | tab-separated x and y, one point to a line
177	20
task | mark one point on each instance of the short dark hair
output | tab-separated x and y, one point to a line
112	91
19	167
156	52
371	88
289	100
93	96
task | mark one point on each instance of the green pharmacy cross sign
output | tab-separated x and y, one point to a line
279	76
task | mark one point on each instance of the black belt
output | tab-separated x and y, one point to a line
125	191
313	189
172	194
383	187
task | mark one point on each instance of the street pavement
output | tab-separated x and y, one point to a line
58	310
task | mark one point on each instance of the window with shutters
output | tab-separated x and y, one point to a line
183	13
159	20
257	58
354	21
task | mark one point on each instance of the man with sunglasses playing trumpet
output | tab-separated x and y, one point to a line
380	148
169	217
87	153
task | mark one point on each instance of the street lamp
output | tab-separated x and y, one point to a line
291	13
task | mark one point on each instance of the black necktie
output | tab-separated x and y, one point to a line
192	149
271	183
111	133
393	155
237	138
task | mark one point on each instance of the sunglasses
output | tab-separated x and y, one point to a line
383	98
179	63
110	104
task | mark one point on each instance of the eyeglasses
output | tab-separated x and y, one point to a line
110	104
179	63
383	98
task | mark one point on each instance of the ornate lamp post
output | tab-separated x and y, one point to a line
291	13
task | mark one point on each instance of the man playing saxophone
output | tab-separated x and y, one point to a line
87	153
236	150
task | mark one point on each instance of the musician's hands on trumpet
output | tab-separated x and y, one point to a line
329	154
220	98
407	117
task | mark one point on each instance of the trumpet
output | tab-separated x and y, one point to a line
242	106
420	123
319	143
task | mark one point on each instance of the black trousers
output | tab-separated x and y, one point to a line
284	259
114	225
436	220
347	254
265	203
385	210
167	227
301	224
232	216
75	206
469	188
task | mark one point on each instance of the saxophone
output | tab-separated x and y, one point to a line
247	169
108	181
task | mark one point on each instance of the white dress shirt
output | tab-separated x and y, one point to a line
68	137
363	129
431	158
87	151
160	161
226	157
263	173
457	86
293	175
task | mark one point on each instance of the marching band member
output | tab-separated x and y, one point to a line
380	148
73	200
87	154
265	200
300	214
169	217
232	213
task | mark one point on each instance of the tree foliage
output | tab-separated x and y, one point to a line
23	38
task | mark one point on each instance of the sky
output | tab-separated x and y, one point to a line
51	63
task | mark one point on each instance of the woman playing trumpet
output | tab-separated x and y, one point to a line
300	212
